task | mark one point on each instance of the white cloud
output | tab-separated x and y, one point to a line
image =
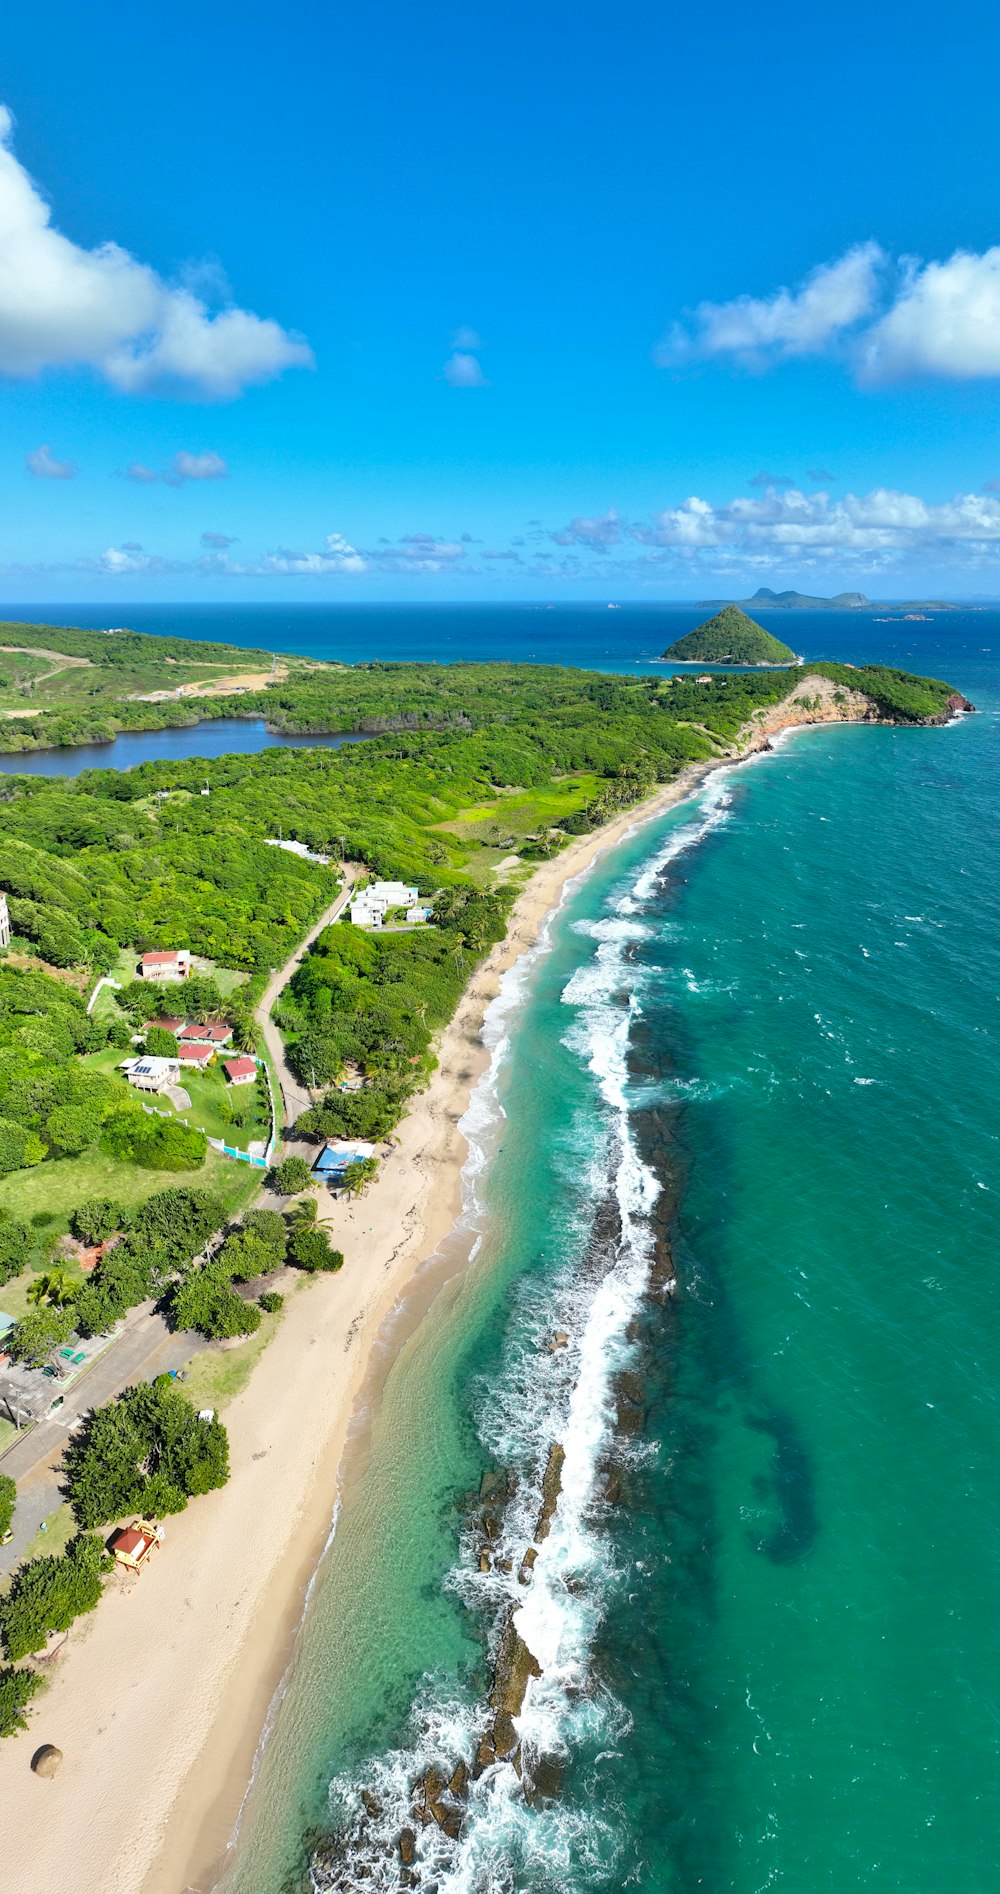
183	467
340	556
463	371
186	466
466	339
879	526
218	542
44	466
945	321
758	331
889	321
599	533
62	306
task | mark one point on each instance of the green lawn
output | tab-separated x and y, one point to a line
60	1184
219	1374
207	1090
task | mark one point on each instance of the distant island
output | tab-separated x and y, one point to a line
730	638
840	602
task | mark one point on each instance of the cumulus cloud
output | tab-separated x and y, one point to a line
880	527
888	320
462	370
945	321
598	534
183	467
63	306
42	463
195	467
758	331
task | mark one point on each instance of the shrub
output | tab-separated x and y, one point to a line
270	1302
48	1593
14	1242
8	1500
207	1301
98	1218
17	1687
73	1128
290	1176
18	1147
309	1248
160	1144
120	1035
38	1333
146	1452
160	1043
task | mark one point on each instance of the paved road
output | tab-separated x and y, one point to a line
146	1346
295	1096
145	1349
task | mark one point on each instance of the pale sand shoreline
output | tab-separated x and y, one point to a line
161	1699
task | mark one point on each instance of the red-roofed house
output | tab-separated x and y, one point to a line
240	1071
214	1034
195	1055
166	966
166	1025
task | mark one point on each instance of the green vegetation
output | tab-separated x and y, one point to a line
17	1687
147	1452
8	1501
160	1237
290	1176
898	695
47	1594
730	638
205	1299
38	1334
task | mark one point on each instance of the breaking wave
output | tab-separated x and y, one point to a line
567	1343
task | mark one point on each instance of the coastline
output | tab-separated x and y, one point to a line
161	1702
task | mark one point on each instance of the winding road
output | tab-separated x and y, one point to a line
294	1095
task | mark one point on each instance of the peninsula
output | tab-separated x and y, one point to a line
730	638
152	925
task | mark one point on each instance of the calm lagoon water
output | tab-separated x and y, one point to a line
221	737
765	1028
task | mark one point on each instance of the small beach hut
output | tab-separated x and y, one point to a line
134	1543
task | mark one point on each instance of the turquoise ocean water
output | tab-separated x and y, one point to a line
762	1032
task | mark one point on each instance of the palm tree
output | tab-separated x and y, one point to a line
303	1212
361	1172
56	1288
244	1033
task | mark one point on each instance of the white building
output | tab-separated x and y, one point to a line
370	907
166	966
4	922
151	1075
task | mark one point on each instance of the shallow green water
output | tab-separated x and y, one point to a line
777	1662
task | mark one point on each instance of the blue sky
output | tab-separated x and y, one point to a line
391	294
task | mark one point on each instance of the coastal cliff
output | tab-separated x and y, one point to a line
821	699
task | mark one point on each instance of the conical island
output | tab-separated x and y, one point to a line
730	638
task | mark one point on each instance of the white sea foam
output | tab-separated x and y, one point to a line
539	1397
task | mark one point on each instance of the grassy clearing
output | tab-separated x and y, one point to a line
211	1099
59	1529
218	1374
60	1184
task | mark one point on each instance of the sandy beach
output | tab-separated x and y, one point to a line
161	1696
